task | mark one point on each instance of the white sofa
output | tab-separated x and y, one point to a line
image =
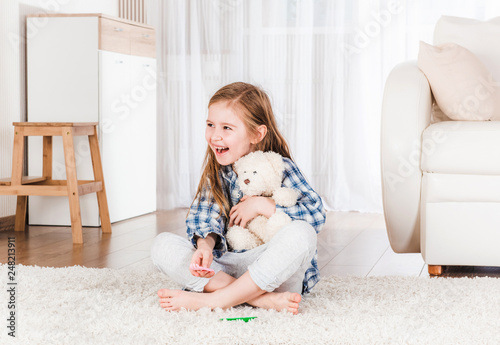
441	179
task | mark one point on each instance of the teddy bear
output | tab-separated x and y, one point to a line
260	174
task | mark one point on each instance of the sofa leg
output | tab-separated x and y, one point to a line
435	270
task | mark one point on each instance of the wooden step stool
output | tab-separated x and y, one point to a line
22	186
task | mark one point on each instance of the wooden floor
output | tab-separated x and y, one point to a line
351	243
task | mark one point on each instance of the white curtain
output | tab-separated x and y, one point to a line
323	63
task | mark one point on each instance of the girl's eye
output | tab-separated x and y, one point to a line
255	172
210	125
226	127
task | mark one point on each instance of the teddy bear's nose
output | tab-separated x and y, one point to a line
247	181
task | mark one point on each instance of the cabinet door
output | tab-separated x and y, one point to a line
143	126
116	146
128	126
62	80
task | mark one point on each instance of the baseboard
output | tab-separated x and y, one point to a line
7	223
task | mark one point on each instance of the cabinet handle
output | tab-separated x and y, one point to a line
119	29
145	35
119	61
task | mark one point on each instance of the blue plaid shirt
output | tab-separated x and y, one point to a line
206	217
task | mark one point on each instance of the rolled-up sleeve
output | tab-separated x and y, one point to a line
309	206
204	218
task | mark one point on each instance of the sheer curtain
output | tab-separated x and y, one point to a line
323	63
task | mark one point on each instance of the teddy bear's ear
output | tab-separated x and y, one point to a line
276	162
236	165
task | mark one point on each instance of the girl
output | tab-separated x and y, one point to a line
273	275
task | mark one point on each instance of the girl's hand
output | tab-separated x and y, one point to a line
250	207
203	256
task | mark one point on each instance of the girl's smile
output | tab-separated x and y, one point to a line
226	134
220	150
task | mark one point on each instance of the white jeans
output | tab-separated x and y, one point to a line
278	265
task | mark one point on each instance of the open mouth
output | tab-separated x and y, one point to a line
221	150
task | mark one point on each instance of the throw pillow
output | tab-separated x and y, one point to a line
463	87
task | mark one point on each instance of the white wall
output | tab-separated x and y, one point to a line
13	68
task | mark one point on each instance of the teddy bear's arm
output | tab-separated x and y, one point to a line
285	197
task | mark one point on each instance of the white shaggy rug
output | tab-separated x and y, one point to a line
79	305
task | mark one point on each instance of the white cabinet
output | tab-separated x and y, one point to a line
81	69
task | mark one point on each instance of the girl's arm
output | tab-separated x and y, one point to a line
309	206
250	207
203	255
205	219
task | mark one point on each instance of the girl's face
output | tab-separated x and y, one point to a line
227	135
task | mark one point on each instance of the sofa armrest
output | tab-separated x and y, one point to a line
406	112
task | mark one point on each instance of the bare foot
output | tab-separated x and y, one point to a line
174	300
278	301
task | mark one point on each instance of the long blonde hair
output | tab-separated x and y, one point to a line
254	109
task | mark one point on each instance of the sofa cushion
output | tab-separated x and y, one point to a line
461	147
